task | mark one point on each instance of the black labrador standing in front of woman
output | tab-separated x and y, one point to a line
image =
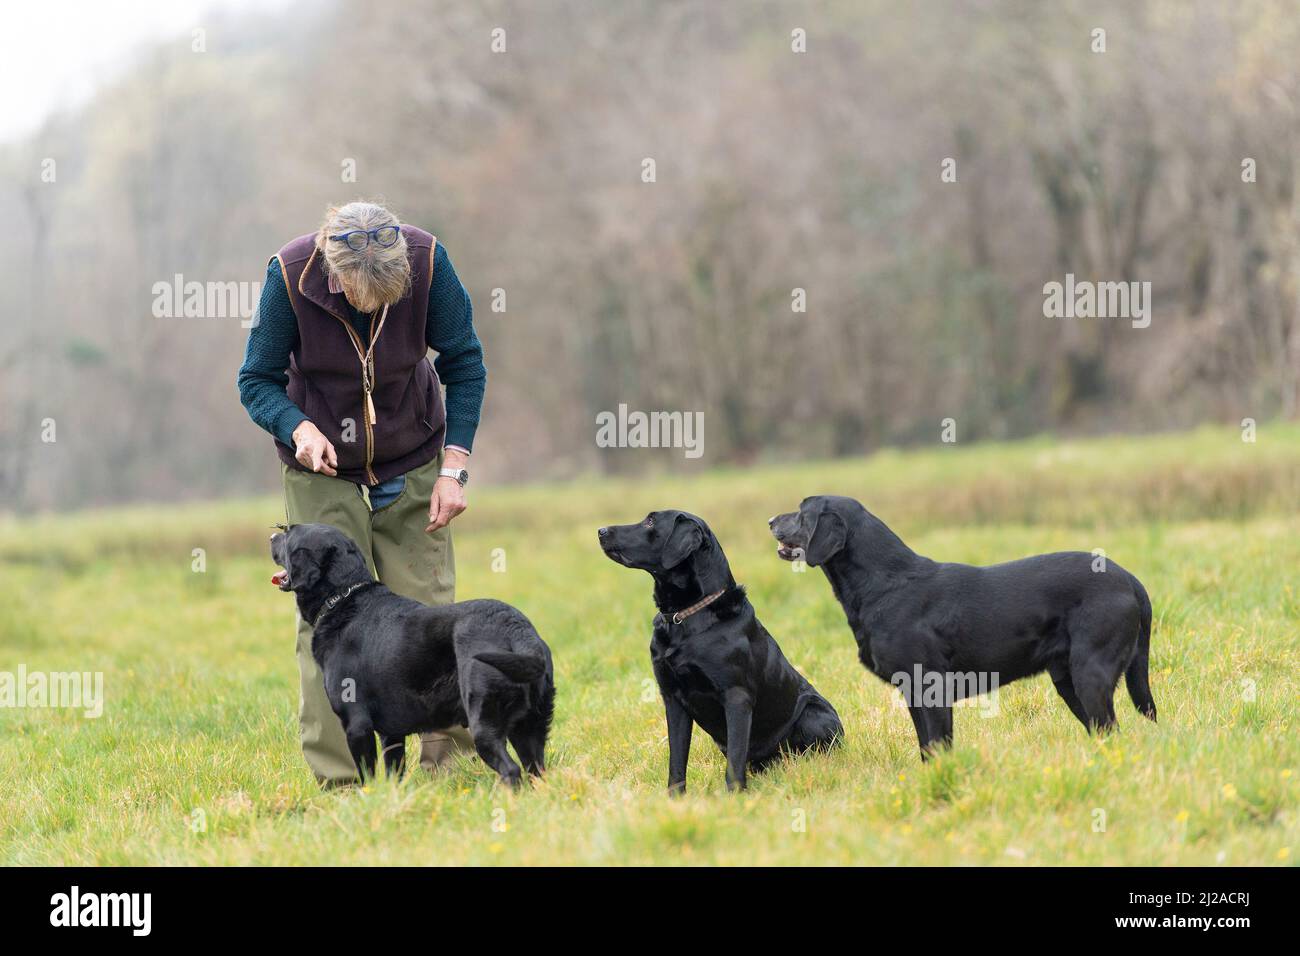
716	665
395	667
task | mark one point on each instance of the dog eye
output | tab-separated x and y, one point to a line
650	521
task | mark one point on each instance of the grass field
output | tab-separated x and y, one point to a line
195	759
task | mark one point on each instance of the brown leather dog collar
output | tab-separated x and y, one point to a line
679	616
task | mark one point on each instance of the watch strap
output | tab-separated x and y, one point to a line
460	474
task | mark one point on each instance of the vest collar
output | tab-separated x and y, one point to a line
313	285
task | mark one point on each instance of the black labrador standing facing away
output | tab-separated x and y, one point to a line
396	667
716	665
913	616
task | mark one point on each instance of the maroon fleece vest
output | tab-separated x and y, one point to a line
325	379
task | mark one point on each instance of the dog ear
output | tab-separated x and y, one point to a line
685	538
351	561
302	574
826	539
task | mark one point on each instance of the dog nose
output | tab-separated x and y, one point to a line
771	521
602	531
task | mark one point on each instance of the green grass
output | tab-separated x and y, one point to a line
195	759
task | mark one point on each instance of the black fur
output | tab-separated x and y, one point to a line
911	615
719	667
416	668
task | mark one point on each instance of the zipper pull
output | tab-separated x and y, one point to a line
370	407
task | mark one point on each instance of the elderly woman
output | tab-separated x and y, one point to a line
337	371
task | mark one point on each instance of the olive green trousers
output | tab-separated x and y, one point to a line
403	557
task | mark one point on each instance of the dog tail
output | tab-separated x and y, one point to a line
1135	678
520	668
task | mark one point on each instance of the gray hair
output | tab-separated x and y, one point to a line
376	276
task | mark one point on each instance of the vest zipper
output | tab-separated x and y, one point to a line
366	399
367	402
371	479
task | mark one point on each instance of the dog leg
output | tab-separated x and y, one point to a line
1096	690
529	746
495	755
922	731
361	742
739	707
485	727
1060	675
941	722
933	728
490	746
528	735
818	728
394	754
680	726
1103	638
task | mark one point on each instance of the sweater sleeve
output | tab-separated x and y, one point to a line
450	332
264	376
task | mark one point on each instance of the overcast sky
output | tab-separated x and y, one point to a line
54	53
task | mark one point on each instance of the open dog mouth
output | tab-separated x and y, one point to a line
788	551
279	554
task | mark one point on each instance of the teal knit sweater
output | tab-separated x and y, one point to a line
449	330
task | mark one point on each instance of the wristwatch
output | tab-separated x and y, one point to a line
460	474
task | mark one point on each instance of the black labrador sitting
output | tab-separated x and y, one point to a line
395	667
917	618
716	665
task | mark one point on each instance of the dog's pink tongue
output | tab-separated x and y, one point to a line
279	578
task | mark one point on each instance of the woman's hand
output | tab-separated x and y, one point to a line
448	498
313	450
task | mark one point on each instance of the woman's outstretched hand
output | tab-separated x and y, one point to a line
313	450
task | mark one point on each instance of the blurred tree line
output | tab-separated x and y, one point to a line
774	171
